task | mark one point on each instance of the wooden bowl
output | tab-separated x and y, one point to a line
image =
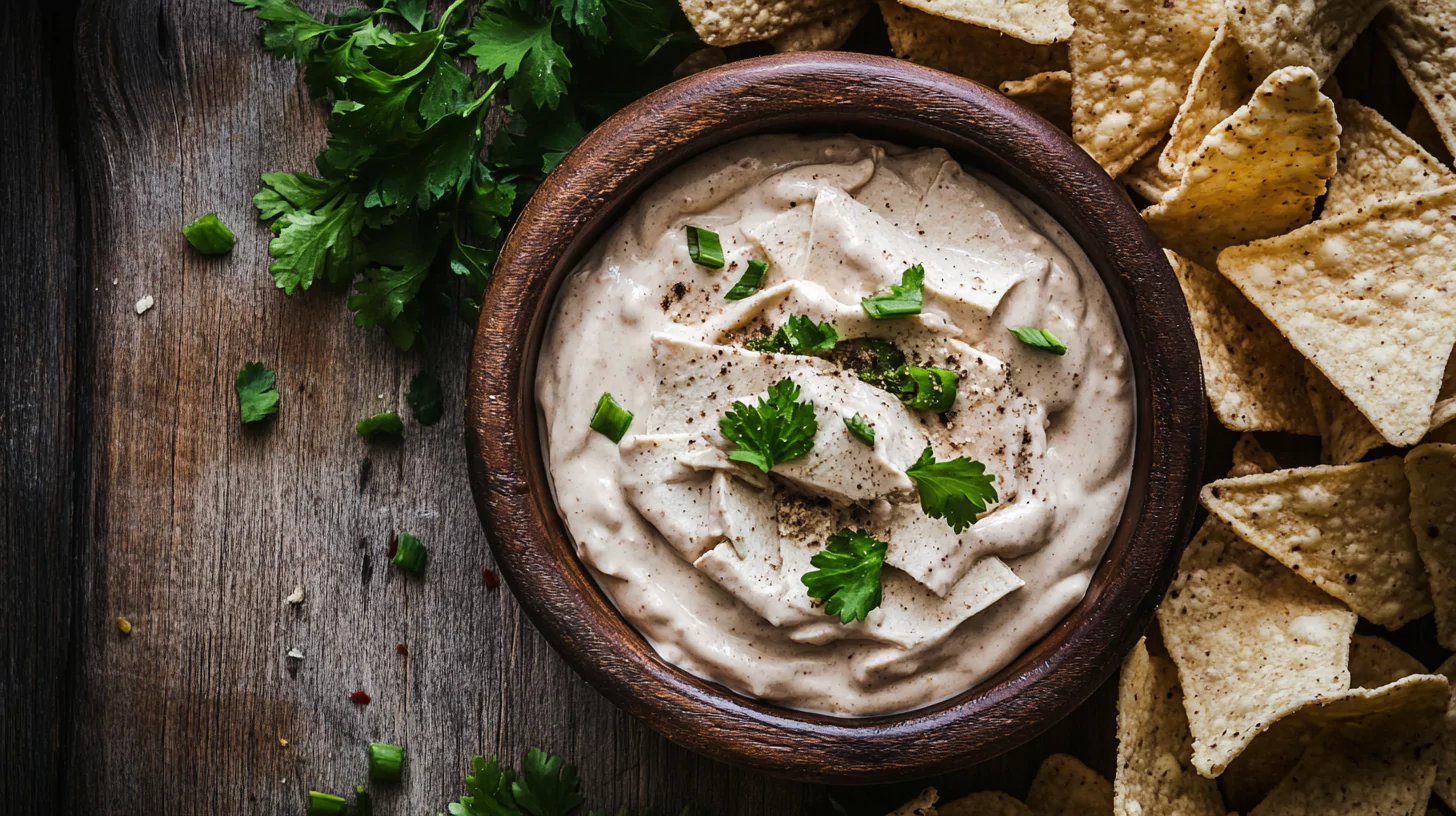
879	98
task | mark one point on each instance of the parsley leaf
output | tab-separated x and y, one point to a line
904	298
1040	338
798	335
318	224
847	577
386	424
514	44
861	428
547	786
778	429
587	16
257	397
490	791
425	398
957	490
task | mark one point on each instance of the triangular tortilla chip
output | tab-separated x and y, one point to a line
730	22
1375	662
1221	85
1267	760
1431	470
1250	457
1421	36
1252	641
1065	787
989	57
1446	769
1377	163
1376	755
1345	434
986	803
1421	127
1257	174
1345	528
1254	378
922	805
1155	772
1368	299
1312	33
824	34
1148	179
1132	62
1048	95
1034	21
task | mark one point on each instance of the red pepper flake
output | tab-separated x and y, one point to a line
401	649
360	697
492	581
393	547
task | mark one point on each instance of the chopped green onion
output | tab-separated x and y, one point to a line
935	388
861	428
387	424
751	281
1040	338
904	299
363	805
409	554
704	248
209	235
386	762
324	804
610	419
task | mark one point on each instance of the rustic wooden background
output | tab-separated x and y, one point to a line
129	488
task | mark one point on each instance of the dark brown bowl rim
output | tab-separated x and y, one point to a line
877	97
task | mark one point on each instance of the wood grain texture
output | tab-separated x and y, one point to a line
127	487
906	104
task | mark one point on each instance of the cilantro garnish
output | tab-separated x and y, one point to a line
1040	338
406	200
750	283
798	335
425	398
903	299
386	424
957	490
776	430
847	577
257	398
926	389
546	786
861	428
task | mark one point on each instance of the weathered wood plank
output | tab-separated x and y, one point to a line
38	407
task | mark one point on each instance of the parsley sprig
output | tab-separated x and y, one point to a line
798	335
776	430
847	574
546	786
257	392
957	490
407	206
904	298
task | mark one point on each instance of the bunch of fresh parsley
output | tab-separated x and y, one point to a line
408	206
546	786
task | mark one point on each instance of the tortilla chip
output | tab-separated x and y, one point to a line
1290	33
1445	408
1421	36
1376	755
1268	759
1252	641
1345	434
1254	378
1377	163
1148	178
1257	174
1221	85
973	52
1345	528
1035	21
986	803
1065	787
1367	298
1155	770
824	34
1421	127
1432	473
1375	662
1250	457
922	805
1446	769
1048	95
1132	62
730	22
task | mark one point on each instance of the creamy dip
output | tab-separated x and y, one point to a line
705	555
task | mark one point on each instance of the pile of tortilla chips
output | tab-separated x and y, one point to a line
1256	695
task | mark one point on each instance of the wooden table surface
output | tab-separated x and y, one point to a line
129	488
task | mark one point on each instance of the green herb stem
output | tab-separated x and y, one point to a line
610	419
409	554
209	235
386	762
705	248
750	283
324	804
1040	339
